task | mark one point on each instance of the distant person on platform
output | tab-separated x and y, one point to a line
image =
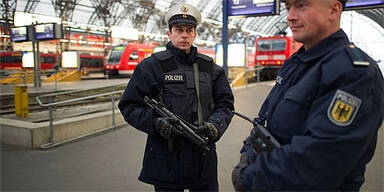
325	110
172	162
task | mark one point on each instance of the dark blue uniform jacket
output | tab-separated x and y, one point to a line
325	110
185	165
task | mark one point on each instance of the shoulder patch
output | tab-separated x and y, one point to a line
163	55
343	108
357	56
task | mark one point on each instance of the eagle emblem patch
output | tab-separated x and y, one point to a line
184	9
343	108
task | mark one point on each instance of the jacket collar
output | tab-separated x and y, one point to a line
181	55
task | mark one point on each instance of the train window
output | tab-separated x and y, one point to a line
264	45
134	56
271	45
99	62
279	44
85	62
115	56
49	59
96	62
91	62
10	59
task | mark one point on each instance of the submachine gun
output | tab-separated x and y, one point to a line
261	140
182	127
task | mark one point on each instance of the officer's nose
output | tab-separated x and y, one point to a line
291	15
184	34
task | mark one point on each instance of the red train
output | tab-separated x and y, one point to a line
13	61
271	52
208	52
10	60
124	58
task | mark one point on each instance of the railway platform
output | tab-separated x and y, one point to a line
94	80
36	129
111	160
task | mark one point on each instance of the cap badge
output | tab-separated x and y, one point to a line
185	16
184	9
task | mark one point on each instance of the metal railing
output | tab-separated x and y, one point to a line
52	105
254	72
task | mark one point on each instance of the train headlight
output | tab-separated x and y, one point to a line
262	62
278	62
117	66
108	66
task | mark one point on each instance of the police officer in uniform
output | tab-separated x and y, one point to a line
325	110
172	162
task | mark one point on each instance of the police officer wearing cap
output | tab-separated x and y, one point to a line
325	110
172	162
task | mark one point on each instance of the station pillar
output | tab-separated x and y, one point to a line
21	101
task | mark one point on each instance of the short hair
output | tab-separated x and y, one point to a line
343	2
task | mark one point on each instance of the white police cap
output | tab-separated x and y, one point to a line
183	14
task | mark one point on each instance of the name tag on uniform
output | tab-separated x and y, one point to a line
173	78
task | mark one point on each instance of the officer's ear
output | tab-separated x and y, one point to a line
336	7
170	29
169	35
195	29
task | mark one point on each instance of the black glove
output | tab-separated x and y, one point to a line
164	127
208	129
245	160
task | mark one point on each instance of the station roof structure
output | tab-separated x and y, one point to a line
148	15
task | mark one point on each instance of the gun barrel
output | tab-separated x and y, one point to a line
243	116
262	140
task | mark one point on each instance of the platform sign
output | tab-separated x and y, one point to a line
253	7
70	59
48	31
363	4
44	31
20	34
27	60
236	55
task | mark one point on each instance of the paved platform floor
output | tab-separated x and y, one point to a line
111	161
